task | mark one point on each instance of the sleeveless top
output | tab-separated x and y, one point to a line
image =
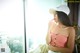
58	40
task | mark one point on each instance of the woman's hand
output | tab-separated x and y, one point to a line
51	47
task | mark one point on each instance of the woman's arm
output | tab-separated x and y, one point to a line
62	50
48	37
70	43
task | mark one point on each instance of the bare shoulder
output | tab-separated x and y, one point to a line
72	29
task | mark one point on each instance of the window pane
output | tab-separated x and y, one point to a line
12	26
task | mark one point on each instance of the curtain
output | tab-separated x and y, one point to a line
74	16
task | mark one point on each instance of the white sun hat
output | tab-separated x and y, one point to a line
63	8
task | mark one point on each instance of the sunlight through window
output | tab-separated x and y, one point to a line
37	18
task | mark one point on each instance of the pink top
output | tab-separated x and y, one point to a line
58	40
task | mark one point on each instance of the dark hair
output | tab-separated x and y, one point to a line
63	18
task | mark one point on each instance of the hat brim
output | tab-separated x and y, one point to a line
52	11
62	8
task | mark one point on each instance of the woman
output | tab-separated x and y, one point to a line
61	34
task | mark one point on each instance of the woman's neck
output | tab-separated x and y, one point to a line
61	25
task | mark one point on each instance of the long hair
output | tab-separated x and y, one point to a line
63	18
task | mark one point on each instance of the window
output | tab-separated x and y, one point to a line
12	26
